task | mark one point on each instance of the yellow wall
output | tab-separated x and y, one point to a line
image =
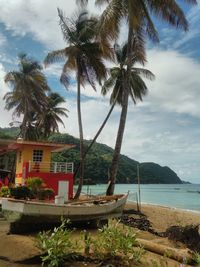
27	155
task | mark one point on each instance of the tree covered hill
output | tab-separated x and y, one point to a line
99	159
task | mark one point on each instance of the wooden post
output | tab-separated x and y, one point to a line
138	178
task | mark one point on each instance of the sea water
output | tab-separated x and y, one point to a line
182	196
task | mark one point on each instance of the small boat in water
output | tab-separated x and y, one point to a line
27	215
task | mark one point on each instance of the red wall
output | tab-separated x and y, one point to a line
51	180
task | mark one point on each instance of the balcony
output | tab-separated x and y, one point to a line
53	167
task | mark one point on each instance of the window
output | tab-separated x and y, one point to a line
37	155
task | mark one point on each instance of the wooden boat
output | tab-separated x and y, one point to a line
29	215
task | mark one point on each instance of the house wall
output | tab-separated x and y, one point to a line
27	155
51	180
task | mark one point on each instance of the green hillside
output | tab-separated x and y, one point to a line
98	161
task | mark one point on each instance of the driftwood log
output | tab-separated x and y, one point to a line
179	255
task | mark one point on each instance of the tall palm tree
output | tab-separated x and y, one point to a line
83	55
137	90
28	95
138	15
47	122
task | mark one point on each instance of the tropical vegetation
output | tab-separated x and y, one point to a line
99	159
111	242
140	25
84	56
137	89
32	100
28	94
48	121
88	43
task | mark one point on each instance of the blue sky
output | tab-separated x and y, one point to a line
164	128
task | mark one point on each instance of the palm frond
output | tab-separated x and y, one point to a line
55	56
138	88
110	19
146	24
144	72
108	84
170	11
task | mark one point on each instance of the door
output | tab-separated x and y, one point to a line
63	189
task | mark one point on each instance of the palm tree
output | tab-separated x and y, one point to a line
84	56
28	95
137	90
138	15
47	122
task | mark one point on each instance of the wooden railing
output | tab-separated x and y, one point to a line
55	167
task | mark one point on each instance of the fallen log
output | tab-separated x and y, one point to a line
180	255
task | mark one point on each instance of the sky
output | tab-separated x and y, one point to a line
164	128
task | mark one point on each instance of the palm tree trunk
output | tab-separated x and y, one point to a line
115	160
97	134
23	127
80	184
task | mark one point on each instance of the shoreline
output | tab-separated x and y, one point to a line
163	206
162	217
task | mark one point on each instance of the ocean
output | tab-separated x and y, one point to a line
182	196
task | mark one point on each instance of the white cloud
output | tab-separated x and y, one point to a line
177	84
38	17
6	116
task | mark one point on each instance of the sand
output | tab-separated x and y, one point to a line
18	247
164	217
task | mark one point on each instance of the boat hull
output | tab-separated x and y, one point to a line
32	215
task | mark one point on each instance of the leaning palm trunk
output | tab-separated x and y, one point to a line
115	160
114	165
97	134
81	173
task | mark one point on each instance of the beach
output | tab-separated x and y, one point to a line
19	247
163	217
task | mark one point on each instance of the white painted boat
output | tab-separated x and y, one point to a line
25	213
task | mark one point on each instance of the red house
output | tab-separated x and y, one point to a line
34	160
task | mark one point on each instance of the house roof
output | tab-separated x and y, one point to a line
7	145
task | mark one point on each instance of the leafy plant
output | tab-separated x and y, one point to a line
46	193
57	245
36	185
21	192
88	241
113	240
123	241
197	258
5	191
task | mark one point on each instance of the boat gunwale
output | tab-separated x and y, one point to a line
72	203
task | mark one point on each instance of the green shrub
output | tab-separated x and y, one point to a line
114	240
21	192
45	193
197	258
5	191
34	183
57	245
49	193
